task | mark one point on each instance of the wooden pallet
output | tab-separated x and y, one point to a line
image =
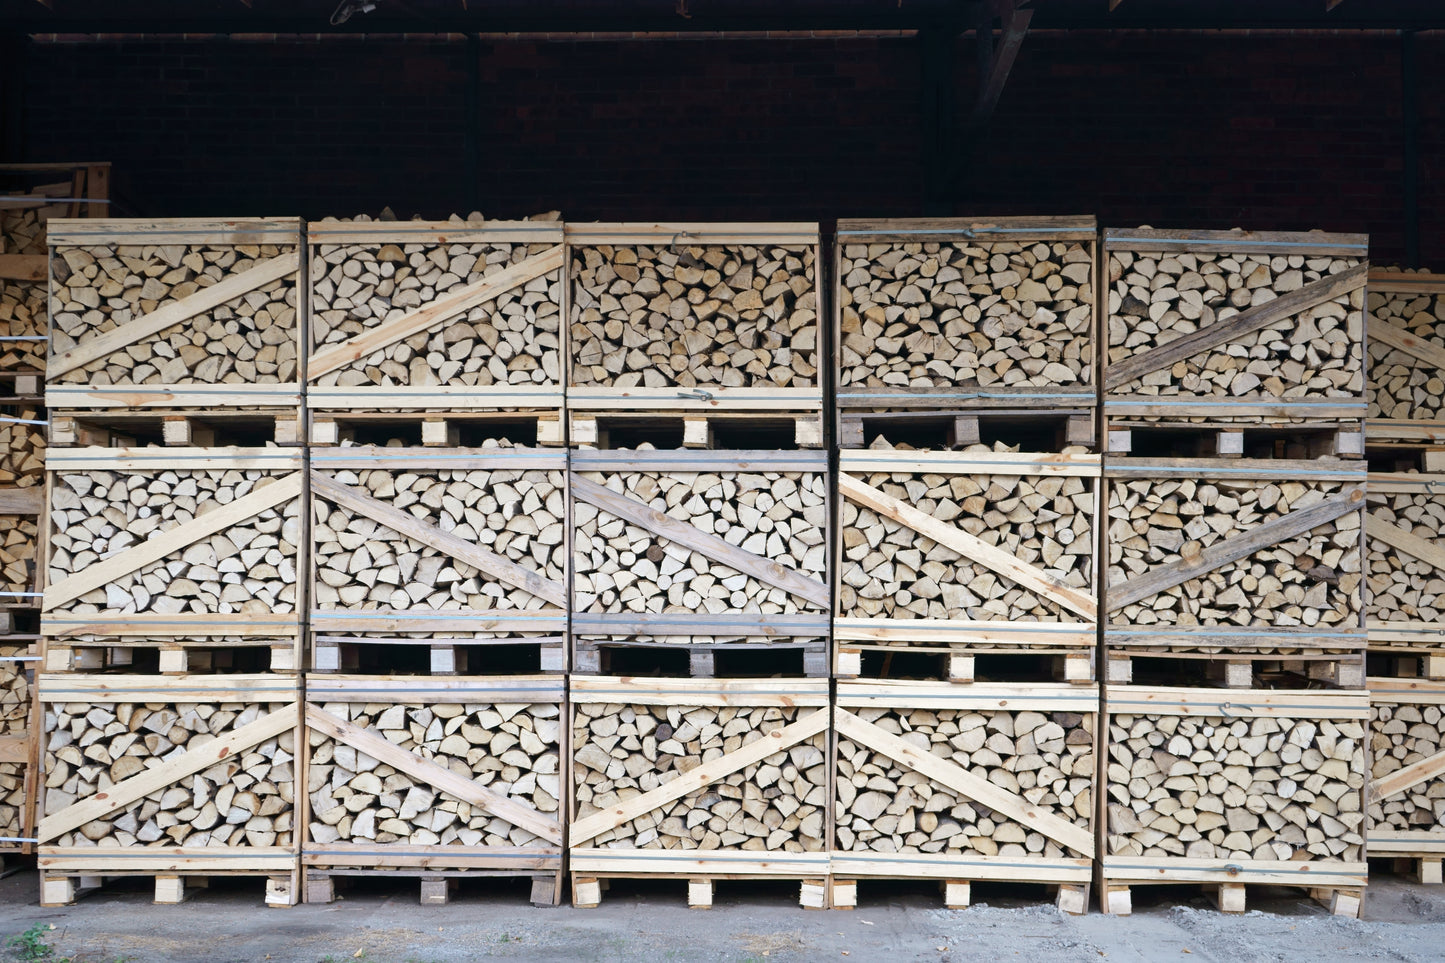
863	394
864	749
1338	882
452	428
22	384
1418	775
436	885
1162	381
949	426
91	369
1237	659
1302	439
700	646
332	707
139	427
1404	354
1066	631
531	600
799	711
609	408
68	623
67	868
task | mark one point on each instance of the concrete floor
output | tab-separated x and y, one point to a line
381	922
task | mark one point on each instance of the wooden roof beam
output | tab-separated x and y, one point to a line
996	60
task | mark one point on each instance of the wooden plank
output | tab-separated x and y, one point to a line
163	459
428	534
981	696
727	624
675	461
1081	635
1419	347
971	463
773	741
713	547
68	687
1413	545
709	398
159	546
451	304
1238	703
433	689
1282	469
1399	282
141	397
22	501
714	863
175	768
169	315
1173	869
67	232
186	624
365	457
699	692
1405	843
501	621
1409	777
968	545
437	776
1234	548
208	860
386	856
1026	869
434	232
1263	242
672	234
1120	373
960	780
449	397
1067	228
24	267
15	749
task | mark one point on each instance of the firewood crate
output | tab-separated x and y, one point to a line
1405	565
1407	778
174	561
125	793
1235	571
957	565
441	779
1211	330
17	748
452	329
440	561
698	780
990	783
1406	336
194	319
1233	789
22	528
698	562
966	325
696	335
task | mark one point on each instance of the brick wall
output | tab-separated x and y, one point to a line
1186	130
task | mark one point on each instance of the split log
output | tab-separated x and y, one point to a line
1211	787
1404	735
510	749
19	545
23	310
1403	587
1402	384
991	314
621	751
731	316
22	447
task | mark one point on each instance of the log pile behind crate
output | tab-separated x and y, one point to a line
192	553
191	778
697	323
1407	779
960	555
964	317
181	315
1406	356
434	778
698	779
700	551
454	319
453	550
1229	789
987	783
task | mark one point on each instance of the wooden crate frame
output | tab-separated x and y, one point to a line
590	865
211	399
443	861
698	406
184	634
1421	351
1258	407
449	628
1071	874
62	867
1426	846
546	402
1337	883
1079	401
1074	638
1333	654
731	629
1411	638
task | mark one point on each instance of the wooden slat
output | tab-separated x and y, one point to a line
1234	548
1409	777
971	463
717	549
418	530
713	863
1249	469
1399	282
1405	843
773	741
120	231
703	398
253	688
1413	545
172	459
947	631
1120	373
434	232
1238	703
687	234
188	624
169	315
23	267
15	749
976	697
115	798
208	860
1264	242
951	536
433	689
441	857
447	397
1027	869
140	397
698	692
437	776
502	621
1414	345
967	230
1178	869
158	547
449	305
363	457
22	501
977	788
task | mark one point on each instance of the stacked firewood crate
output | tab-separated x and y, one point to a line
1405	568
1233	402
968	514
698	554
434	710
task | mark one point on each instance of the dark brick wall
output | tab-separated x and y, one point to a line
1281	132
